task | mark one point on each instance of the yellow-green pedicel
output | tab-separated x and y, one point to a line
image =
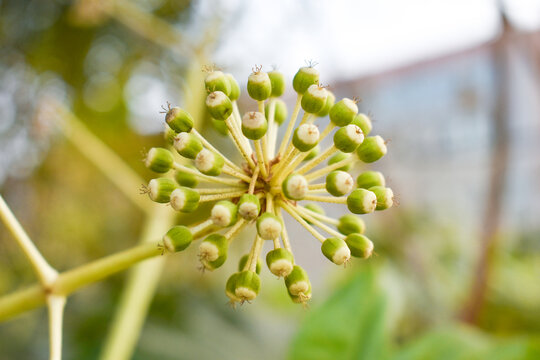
274	166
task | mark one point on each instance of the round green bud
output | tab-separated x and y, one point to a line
315	208
179	120
304	78
306	137
185	199
313	153
224	213
220	126
213	251
243	262
249	206
343	112
160	189
348	138
209	163
294	187
230	287
337	157
330	101
301	299
385	197
363	122
360	245
336	250
369	179
349	224
219	105
248	285
269	226
280	262
186	179
187	145
339	183
177	238
235	88
217	81
259	86
169	135
362	201
314	99
159	160
372	149
297	282
254	125
280	110
278	83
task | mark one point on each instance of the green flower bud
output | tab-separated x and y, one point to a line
280	262
313	153
349	224
160	189
187	145
179	120
315	208
343	112
217	81
339	156
278	83
314	99
185	199
248	284
169	135
269	226
243	262
280	111
209	163
235	88
348	138
297	282
360	245
177	238
220	126
363	122
249	206
301	299
339	183
186	179
336	250
213	251
369	179
304	78
254	125
385	197
159	160
372	149
259	86
330	101
219	105
295	187
224	213
362	201
306	137
230	288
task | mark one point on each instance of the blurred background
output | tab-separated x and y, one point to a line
455	87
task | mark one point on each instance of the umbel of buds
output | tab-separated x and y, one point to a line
276	175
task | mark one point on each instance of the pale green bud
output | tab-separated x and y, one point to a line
159	160
301	299
243	262
224	213
230	287
269	226
217	81
349	224
369	179
235	88
177	238
304	78
280	111
219	105
160	189
343	112
213	251
330	101
278	83
248	285
185	199
297	282
336	250
179	120
372	149
315	208
348	138
385	197
295	187
362	201
360	245
314	99
280	262
306	137
363	122
339	183
254	125
259	86
337	157
187	145
249	206
313	153
209	163
169	135
186	179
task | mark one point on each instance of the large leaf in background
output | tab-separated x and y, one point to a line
349	325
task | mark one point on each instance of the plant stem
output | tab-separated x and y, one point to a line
56	305
290	126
